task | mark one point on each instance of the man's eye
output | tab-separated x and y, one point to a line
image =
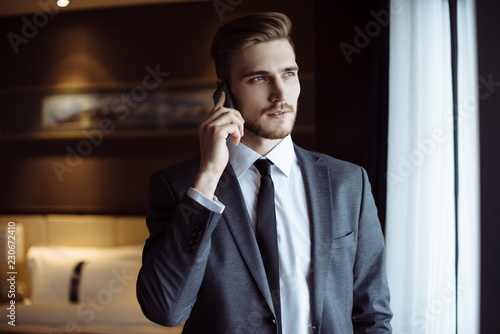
257	79
289	74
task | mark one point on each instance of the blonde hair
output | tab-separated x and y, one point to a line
240	33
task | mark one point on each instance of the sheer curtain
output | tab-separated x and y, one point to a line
420	221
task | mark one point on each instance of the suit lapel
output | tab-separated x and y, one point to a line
318	194
238	221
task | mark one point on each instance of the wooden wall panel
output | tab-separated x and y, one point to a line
106	49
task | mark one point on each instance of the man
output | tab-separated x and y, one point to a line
203	263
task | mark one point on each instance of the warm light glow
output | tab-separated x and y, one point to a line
12	242
62	3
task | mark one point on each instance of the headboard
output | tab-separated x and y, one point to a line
80	230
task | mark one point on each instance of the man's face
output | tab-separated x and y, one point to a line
265	86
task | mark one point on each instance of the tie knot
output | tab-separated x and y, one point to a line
264	166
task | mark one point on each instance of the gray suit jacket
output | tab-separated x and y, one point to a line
205	268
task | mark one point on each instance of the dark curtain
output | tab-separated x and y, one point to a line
374	158
352	57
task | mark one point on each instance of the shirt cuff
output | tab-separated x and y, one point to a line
211	204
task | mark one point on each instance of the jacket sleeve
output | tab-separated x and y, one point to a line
175	254
371	310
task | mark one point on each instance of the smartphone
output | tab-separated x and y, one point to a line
223	87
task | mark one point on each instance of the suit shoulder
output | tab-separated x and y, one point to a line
335	163
184	170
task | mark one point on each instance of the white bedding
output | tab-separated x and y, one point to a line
110	271
105	288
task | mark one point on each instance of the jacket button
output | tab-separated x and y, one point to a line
193	241
200	226
189	249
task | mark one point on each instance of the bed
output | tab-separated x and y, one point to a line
77	275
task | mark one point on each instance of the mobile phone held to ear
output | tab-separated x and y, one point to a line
223	87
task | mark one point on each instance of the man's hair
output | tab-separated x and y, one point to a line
240	33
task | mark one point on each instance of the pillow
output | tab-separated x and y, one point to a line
51	268
103	283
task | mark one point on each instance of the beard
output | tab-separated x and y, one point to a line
256	127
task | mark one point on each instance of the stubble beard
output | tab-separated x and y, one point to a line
256	127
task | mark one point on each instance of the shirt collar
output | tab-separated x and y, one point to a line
242	157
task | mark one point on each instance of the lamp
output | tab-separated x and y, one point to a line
62	3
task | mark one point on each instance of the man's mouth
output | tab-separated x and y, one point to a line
278	112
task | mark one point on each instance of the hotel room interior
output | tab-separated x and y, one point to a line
97	95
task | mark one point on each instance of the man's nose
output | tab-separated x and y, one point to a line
278	91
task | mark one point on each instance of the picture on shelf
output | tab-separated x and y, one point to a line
173	108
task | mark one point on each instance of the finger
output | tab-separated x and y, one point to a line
236	140
221	101
238	120
235	132
241	130
224	116
221	127
216	115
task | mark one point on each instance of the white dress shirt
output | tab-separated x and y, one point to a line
293	228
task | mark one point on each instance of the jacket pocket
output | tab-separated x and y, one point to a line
343	241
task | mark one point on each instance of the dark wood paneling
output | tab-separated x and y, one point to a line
108	49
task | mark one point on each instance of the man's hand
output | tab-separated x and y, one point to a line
213	133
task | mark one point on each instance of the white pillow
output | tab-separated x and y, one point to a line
103	283
51	267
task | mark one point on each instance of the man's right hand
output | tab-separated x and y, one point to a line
213	132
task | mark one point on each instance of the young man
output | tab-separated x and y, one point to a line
204	263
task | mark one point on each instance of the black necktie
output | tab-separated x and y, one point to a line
266	233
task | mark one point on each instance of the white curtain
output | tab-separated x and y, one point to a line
420	226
